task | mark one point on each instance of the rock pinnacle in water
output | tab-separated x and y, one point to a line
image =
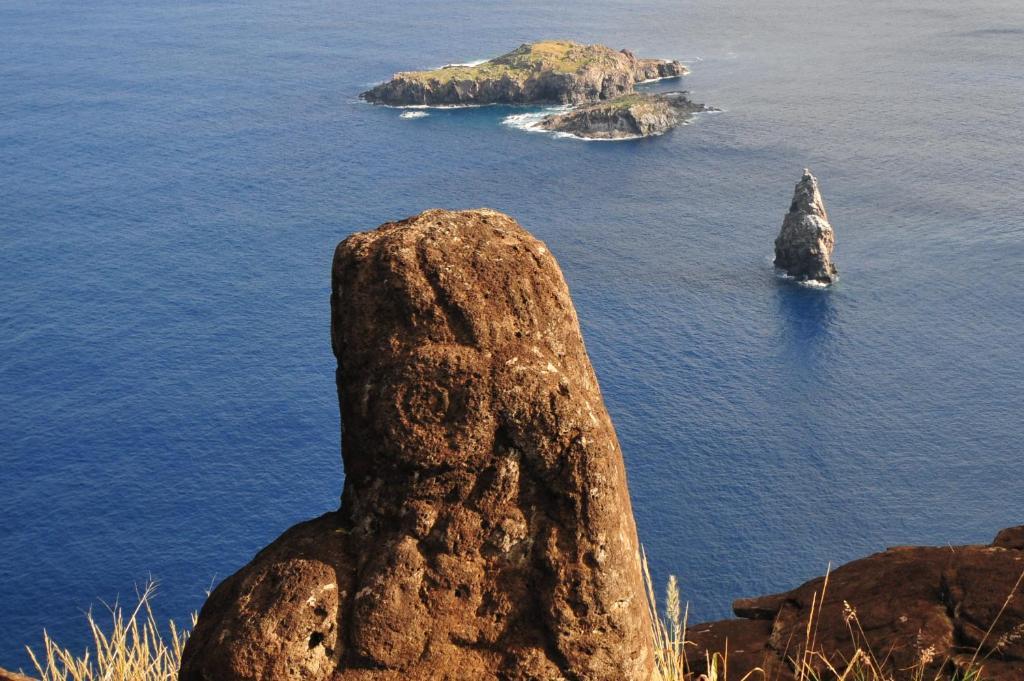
804	246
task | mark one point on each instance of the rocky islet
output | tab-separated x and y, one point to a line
626	117
546	72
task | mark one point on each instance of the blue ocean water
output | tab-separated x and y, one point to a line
175	176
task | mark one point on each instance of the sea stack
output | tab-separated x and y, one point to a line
485	529
803	248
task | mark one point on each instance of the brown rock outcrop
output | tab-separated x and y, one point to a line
914	607
485	530
804	246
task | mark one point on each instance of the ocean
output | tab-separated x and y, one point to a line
175	176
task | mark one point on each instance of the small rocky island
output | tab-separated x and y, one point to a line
803	248
626	117
547	72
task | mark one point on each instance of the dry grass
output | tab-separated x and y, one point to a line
135	649
810	661
669	630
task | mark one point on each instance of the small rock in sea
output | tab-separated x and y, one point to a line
626	117
803	248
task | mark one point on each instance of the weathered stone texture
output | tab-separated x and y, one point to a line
485	530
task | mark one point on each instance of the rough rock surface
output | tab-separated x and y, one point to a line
804	246
626	117
553	72
916	605
485	530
